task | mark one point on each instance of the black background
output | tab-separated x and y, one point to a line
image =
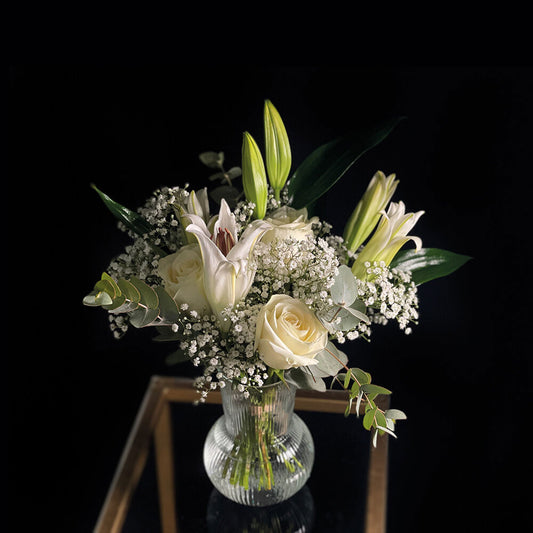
463	155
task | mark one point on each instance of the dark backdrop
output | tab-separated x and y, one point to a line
463	155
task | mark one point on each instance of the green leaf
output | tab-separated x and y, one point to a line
368	419
212	159
380	419
395	414
344	288
105	285
149	297
328	163
370	388
358	402
361	376
428	263
132	220
129	290
304	380
168	310
144	316
330	361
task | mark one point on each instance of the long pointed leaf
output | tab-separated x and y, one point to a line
328	163
428	263
132	220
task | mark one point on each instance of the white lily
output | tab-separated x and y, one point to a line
228	274
390	235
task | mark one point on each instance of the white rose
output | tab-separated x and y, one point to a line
289	223
183	277
288	333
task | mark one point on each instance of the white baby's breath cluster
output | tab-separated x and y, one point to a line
389	294
303	269
224	358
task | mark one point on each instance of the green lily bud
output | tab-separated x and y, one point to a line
367	212
254	175
277	148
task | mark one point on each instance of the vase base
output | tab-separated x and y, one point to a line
291	459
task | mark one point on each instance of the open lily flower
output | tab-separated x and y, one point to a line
390	235
228	274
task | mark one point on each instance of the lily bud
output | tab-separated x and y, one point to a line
277	149
367	212
254	175
389	237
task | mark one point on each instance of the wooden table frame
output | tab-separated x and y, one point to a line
154	420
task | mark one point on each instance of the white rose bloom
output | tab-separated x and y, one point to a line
183	277
289	223
288	334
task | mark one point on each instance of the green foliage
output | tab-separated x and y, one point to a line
132	220
358	383
347	311
328	163
428	263
330	361
303	378
146	306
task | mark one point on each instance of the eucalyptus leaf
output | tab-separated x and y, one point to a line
129	290
106	286
386	430
339	318
395	414
132	220
90	299
428	263
370	388
144	316
234	172
168	310
304	380
380	419
103	298
117	303
330	361
362	377
344	288
358	402
212	159
368	419
357	310
328	163
149	297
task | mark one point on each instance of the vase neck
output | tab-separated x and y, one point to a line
272	405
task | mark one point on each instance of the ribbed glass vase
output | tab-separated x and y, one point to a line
259	452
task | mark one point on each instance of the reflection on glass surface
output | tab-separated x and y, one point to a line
295	515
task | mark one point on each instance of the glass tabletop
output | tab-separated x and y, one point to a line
161	485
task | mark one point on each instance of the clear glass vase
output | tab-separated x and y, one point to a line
259	452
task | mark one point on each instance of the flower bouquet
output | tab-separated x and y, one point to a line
248	286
